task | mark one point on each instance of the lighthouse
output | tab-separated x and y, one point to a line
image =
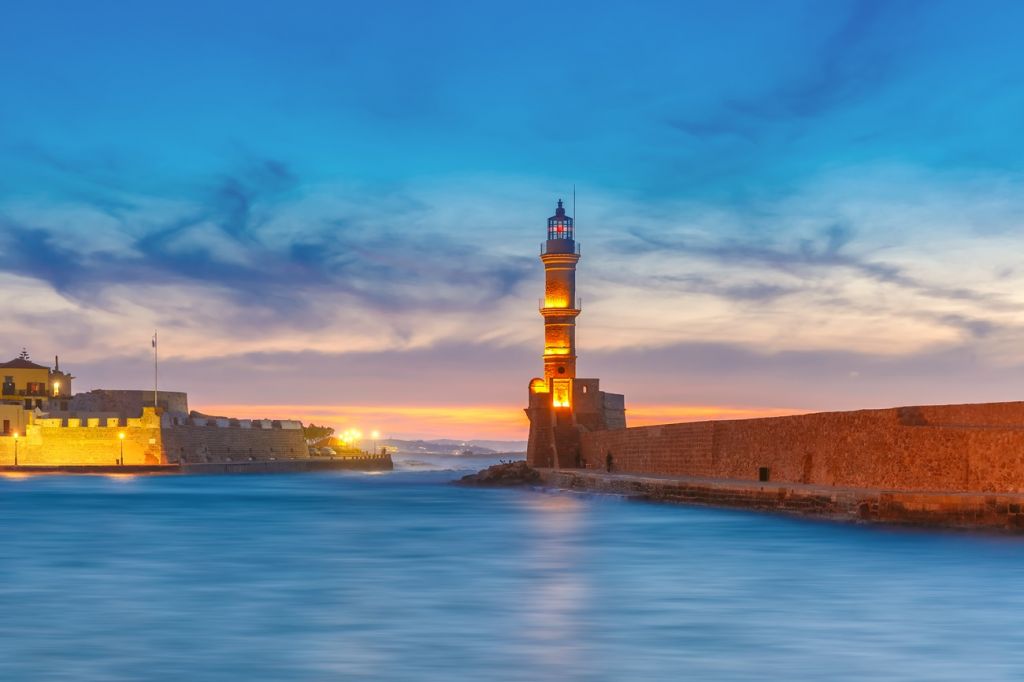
560	307
561	405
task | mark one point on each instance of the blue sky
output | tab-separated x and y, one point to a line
787	205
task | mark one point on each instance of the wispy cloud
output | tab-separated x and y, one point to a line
821	196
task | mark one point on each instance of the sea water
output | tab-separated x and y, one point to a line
402	576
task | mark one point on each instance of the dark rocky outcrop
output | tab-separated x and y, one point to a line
504	474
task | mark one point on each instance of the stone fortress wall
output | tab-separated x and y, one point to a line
976	448
208	440
91	435
90	441
127	403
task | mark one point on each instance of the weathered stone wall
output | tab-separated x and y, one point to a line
366	463
555	432
614	408
948	447
233	440
127	403
957	510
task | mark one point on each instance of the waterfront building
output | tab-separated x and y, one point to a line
28	386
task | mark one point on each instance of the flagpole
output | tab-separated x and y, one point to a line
155	371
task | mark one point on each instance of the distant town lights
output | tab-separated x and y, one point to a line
350	437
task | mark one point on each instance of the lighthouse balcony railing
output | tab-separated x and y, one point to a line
543	304
544	249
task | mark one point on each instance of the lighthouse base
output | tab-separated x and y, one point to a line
555	430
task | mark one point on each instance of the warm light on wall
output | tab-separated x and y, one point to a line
561	393
56	389
556	350
539	386
556	303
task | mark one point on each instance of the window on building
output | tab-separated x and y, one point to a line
561	393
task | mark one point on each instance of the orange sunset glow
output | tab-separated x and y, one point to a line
504	422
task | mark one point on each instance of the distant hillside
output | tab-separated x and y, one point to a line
446	446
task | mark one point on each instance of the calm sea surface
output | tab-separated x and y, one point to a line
401	576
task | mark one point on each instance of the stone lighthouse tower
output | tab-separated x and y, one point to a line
563	406
560	306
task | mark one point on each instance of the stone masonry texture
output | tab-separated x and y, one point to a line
976	448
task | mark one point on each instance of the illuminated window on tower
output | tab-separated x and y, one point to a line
560	389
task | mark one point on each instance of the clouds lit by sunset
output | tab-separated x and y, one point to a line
782	207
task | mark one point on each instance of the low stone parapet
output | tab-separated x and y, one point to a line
368	463
1004	511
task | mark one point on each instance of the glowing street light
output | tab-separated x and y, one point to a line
121	437
56	389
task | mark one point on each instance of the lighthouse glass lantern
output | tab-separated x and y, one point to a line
560	225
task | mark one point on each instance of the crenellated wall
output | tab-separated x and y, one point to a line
943	447
91	441
233	440
152	439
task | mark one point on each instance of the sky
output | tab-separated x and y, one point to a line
332	210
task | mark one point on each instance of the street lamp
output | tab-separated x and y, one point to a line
15	448
375	435
121	437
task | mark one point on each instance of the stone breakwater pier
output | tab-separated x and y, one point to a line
939	465
935	508
996	511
